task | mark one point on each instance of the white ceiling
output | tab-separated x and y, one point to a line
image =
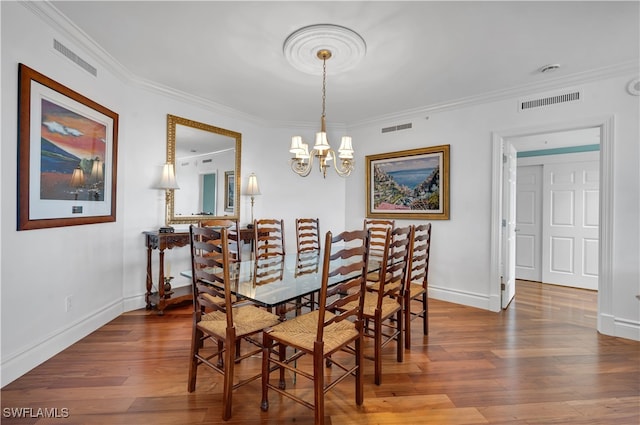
419	54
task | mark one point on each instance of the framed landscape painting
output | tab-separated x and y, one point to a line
411	184
67	156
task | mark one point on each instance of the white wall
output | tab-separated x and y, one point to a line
103	265
461	257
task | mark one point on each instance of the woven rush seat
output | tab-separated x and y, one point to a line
390	285
246	319
301	332
389	305
416	289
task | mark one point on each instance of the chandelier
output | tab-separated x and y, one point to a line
302	160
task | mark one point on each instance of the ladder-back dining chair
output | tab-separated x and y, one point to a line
308	245
268	239
332	334
416	289
383	302
219	324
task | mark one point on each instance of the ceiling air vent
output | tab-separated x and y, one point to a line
548	101
397	127
74	58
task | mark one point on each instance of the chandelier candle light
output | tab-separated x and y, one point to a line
302	161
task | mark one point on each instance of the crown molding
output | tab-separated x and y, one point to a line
625	68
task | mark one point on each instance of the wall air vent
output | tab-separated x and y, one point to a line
523	105
206	161
74	58
397	127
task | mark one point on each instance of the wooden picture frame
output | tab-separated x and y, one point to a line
67	156
229	189
410	184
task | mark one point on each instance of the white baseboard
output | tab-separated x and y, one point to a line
16	365
134	303
627	329
460	297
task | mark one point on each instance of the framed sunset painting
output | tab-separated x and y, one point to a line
67	156
411	184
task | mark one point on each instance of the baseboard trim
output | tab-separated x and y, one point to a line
469	299
627	329
16	365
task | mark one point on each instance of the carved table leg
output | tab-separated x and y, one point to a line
147	296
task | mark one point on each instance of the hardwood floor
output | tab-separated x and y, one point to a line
539	362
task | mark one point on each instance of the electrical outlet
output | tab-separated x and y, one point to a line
67	303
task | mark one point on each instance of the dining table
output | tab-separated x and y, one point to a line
292	276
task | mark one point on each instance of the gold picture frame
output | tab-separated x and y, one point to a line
409	184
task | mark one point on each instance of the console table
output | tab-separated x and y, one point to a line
161	241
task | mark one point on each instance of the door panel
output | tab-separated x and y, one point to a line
570	224
509	229
529	223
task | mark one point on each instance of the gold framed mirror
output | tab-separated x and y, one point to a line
207	167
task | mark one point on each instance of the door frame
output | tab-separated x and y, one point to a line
605	322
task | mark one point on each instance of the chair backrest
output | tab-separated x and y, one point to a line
378	228
344	270
418	264
232	233
393	273
210	268
308	234
268	239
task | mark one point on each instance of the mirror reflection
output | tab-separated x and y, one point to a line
207	167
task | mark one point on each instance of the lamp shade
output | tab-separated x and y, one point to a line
97	170
168	178
296	145
77	178
322	144
252	186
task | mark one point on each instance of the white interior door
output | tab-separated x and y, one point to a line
570	224
509	224
529	223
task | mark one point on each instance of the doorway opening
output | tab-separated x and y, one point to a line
503	217
557	206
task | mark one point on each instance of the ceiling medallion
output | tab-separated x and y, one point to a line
302	46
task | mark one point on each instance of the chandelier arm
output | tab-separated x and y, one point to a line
298	166
345	167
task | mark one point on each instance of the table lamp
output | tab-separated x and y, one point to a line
252	190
